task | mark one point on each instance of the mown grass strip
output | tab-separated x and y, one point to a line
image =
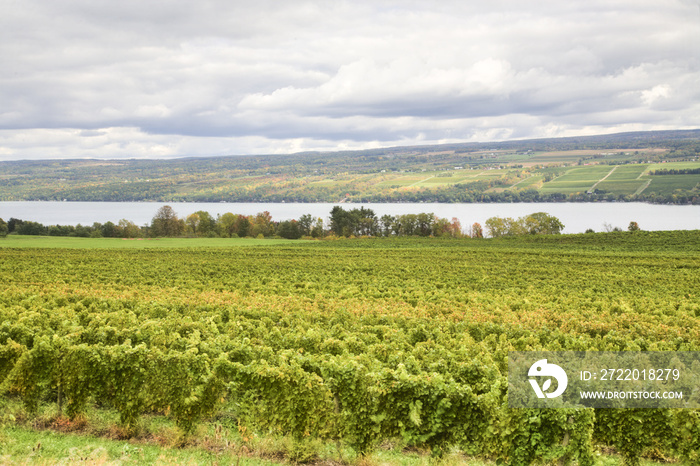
18	241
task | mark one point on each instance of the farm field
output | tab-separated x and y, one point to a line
440	178
550	170
579	179
625	179
367	344
668	184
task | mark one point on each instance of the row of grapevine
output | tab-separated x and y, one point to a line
354	398
354	341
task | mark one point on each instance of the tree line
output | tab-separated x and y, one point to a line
677	171
342	223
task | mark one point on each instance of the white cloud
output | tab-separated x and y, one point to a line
655	94
169	78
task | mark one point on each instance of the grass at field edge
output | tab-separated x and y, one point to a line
19	241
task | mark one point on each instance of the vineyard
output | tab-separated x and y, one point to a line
354	341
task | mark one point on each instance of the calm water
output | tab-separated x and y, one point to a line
576	217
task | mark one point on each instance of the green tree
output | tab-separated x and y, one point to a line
3	228
13	224
226	225
353	222
424	224
61	230
633	226
201	223
262	225
305	223
166	223
207	223
82	231
498	226
192	224
128	229
317	231
368	226
31	228
109	230
406	225
243	226
289	229
541	223
386	224
340	221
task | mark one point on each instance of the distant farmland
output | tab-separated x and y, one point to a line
603	168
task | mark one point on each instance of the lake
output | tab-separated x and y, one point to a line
576	217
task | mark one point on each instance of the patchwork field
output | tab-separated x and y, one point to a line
579	179
547	170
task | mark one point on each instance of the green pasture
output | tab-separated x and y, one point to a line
25	446
19	241
21	445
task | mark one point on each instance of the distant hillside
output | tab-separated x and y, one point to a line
558	169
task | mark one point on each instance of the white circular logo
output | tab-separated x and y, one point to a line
543	369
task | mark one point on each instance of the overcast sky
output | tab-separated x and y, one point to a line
157	78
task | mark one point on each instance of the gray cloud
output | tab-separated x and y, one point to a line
166	78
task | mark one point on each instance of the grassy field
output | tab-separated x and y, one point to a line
19	241
24	446
27	446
